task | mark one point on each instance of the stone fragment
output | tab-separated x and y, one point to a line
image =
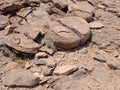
65	69
21	43
20	77
40	55
47	50
48	62
114	64
96	25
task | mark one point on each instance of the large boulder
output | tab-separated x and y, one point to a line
21	43
68	32
20	77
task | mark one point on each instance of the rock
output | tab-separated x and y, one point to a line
3	21
9	29
65	69
79	74
99	57
114	64
47	50
84	51
47	71
82	9
21	43
48	62
29	31
62	3
28	65
96	25
10	5
20	77
68	32
45	79
64	83
40	55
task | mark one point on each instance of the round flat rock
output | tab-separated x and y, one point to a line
68	32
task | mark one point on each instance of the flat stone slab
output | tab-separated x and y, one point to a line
21	43
68	32
65	69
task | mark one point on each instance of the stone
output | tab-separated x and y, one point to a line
62	3
82	9
3	21
67	33
8	29
21	43
114	64
99	57
47	50
10	5
65	69
79	74
28	65
47	71
47	62
96	25
64	83
40	55
20	77
28	30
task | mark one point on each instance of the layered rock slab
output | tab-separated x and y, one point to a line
68	32
21	43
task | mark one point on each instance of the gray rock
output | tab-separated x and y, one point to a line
20	77
65	69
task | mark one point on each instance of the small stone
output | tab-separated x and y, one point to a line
45	79
48	62
47	71
47	50
83	51
20	77
96	25
114	64
9	29
79	74
40	55
38	75
65	69
28	65
100	57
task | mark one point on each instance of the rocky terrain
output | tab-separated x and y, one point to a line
59	44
